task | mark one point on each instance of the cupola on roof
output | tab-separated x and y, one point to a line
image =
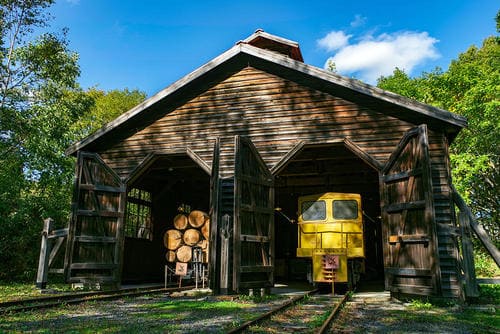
263	40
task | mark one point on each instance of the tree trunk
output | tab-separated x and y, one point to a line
180	221
205	229
184	253
170	256
191	237
197	218
172	239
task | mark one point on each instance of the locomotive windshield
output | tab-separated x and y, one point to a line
345	209
313	210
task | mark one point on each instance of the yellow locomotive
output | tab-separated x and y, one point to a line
330	233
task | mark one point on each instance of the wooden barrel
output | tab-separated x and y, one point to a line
184	253
205	229
191	236
172	239
197	218
170	256
180	221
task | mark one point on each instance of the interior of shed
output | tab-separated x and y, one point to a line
176	183
318	169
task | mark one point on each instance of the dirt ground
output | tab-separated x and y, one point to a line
377	312
369	311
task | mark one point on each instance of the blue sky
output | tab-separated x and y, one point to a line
150	44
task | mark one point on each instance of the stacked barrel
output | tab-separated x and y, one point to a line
189	231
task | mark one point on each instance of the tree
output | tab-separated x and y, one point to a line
106	107
42	111
34	71
470	87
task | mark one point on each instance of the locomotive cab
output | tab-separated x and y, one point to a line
330	233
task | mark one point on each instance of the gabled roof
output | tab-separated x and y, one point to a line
281	61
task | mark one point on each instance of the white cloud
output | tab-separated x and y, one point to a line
372	57
358	21
334	40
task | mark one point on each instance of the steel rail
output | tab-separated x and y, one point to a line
333	314
71	299
271	312
63	295
288	304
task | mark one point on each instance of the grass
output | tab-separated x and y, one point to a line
17	291
148	314
485	266
481	316
159	314
489	294
421	305
465	319
318	320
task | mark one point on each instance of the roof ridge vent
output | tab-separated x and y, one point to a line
264	40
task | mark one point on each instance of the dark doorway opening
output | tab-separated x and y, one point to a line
316	169
175	182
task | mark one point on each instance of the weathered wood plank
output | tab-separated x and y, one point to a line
95	239
99	213
408	272
402	175
93	266
45	249
254	238
256	269
480	232
398	207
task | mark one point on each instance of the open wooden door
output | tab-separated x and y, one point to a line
253	231
95	236
214	215
411	258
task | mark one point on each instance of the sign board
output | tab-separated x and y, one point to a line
181	268
331	262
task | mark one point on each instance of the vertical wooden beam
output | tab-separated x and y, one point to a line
471	289
429	213
43	262
214	245
120	237
271	235
480	232
225	236
238	171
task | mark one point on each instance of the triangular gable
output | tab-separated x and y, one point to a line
244	54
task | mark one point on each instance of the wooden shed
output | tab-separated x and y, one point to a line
252	130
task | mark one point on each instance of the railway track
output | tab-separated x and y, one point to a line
77	298
308	313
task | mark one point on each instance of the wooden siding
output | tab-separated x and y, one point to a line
276	114
273	112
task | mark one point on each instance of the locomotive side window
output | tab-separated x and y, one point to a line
313	210
345	209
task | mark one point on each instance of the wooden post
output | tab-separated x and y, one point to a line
225	236
480	232
45	248
471	289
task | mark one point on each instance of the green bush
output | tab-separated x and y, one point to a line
485	266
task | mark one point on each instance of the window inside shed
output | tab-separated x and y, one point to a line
138	222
